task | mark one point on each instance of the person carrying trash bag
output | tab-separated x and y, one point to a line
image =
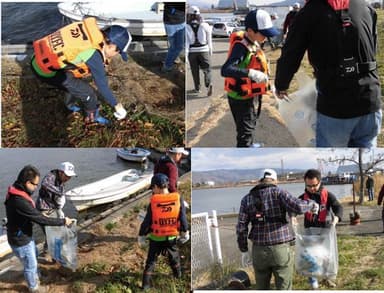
51	199
330	213
164	221
65	57
266	207
21	214
246	73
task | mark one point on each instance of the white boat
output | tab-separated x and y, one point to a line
133	154
141	18
112	188
4	246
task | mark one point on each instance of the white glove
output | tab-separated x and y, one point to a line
245	259
315	208
120	112
142	240
335	220
184	237
257	76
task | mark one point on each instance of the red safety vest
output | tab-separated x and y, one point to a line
165	214
12	191
323	207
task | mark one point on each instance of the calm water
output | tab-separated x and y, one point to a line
227	200
90	164
24	22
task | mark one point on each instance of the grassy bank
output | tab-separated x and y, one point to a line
110	260
34	114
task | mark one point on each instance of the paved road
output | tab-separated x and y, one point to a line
209	122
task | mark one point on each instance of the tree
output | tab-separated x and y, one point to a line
357	159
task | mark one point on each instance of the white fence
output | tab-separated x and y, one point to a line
205	241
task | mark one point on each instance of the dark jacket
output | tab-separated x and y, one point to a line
288	20
317	30
369	183
51	193
174	12
168	167
21	214
332	203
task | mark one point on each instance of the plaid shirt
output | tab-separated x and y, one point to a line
275	204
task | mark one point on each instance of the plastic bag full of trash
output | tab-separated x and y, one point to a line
62	244
316	252
300	113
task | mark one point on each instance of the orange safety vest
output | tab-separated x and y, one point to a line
60	49
323	207
245	88
165	214
12	191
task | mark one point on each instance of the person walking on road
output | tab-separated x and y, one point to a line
370	186
162	232
174	23
64	58
289	18
266	207
340	38
199	48
21	214
246	73
330	213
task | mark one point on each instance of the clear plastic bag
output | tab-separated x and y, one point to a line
62	244
316	252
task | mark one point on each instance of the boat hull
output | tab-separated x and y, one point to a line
140	21
109	189
133	154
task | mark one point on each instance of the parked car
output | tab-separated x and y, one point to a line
223	29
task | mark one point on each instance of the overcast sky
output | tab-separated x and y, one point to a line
249	158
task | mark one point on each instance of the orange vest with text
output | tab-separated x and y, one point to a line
165	214
60	49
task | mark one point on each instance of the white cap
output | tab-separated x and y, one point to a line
274	15
296	5
68	169
178	151
193	10
260	20
270	173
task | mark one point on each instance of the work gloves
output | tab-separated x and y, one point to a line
257	76
315	208
184	237
120	112
335	220
142	240
245	259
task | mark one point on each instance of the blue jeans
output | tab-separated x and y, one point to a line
28	257
360	131
370	194
176	39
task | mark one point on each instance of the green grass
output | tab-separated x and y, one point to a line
380	60
110	226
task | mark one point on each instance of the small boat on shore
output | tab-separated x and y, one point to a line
133	154
119	186
141	18
4	246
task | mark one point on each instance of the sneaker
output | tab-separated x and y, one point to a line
313	283
210	89
39	289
